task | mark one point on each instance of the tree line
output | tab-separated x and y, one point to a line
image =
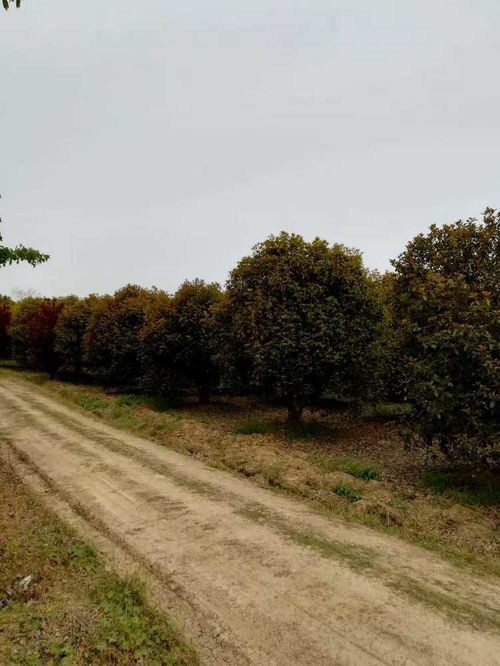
297	323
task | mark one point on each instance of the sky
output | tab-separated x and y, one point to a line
155	141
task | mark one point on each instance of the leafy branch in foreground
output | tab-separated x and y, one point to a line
15	255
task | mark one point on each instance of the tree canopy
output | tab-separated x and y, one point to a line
304	316
178	342
447	307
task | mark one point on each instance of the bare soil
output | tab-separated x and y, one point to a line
253	577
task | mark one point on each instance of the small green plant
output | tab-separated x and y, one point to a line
348	491
361	471
81	556
126	400
253	428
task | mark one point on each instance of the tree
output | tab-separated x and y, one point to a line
303	315
447	305
33	333
178	342
111	341
5	320
70	331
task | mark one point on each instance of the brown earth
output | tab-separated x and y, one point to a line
253	577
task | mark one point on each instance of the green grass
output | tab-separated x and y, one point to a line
126	400
352	466
253	428
456	610
481	489
75	612
91	403
361	470
359	558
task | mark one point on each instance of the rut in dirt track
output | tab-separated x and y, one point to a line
265	579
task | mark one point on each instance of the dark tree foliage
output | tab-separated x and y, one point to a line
447	305
70	331
178	342
5	320
304	316
33	333
111	341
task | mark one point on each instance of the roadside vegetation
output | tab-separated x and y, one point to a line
58	603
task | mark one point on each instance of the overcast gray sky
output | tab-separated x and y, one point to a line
150	141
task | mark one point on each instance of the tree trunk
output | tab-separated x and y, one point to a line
203	394
295	409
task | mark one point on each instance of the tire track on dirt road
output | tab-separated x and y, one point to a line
257	595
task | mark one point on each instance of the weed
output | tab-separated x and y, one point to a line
348	491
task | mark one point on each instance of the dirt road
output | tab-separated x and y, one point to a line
253	577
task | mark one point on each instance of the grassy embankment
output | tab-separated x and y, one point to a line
351	466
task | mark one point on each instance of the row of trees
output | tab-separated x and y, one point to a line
298	321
